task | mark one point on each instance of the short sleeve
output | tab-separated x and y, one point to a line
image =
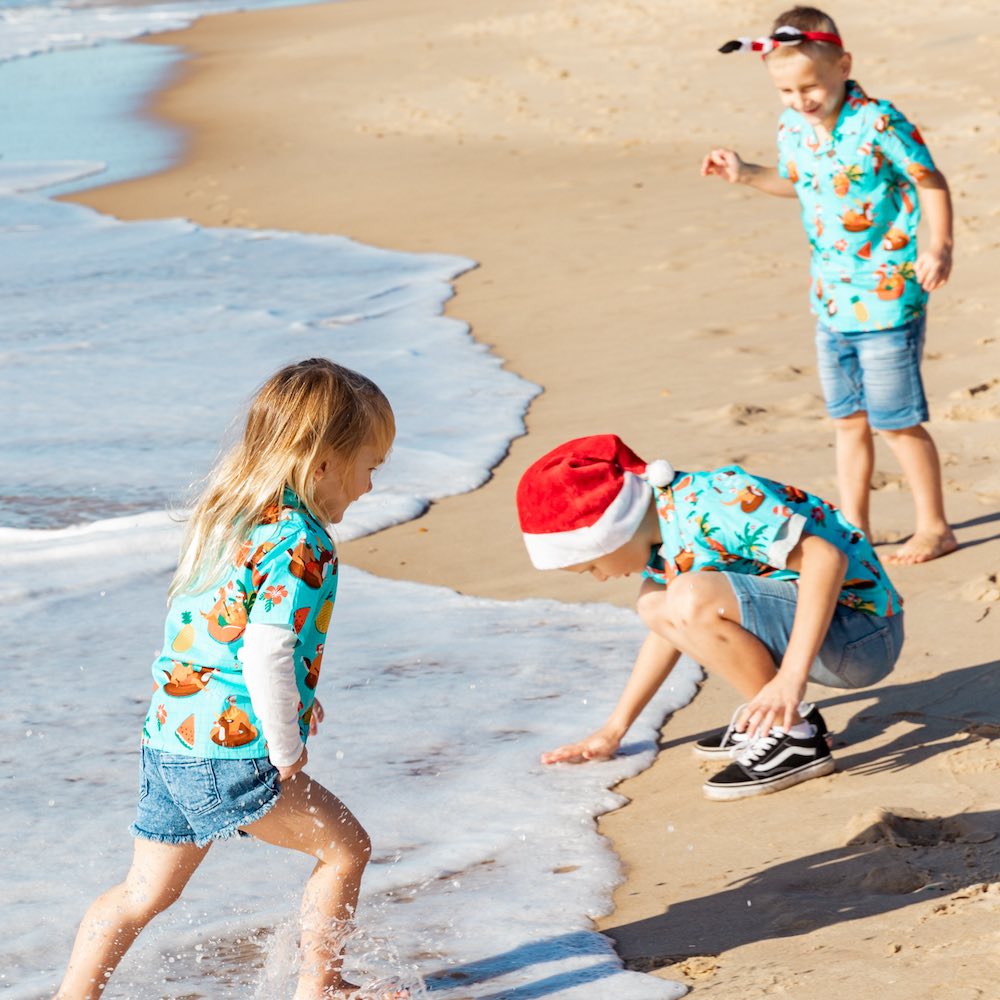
902	144
750	518
292	574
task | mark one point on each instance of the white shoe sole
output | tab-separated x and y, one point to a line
724	793
720	754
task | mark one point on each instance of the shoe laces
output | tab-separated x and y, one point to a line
759	746
731	731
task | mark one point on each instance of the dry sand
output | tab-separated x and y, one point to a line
557	142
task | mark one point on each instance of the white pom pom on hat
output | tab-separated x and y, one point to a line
659	473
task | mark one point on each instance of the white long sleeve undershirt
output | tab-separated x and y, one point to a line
269	673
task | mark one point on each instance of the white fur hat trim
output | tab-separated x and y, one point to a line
618	523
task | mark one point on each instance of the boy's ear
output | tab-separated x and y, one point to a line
845	66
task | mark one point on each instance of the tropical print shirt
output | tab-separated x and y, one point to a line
860	211
729	521
285	575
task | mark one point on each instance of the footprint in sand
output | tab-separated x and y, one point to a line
784	373
983	894
905	845
741	414
910	828
984	588
978	758
978	402
887	482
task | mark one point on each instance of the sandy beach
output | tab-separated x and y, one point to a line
557	144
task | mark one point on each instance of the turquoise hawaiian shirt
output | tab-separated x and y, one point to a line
729	521
860	211
285	575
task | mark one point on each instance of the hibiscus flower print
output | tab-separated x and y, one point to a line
274	595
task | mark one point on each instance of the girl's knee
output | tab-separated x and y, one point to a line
143	901
347	854
360	848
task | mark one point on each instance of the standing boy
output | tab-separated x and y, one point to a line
855	164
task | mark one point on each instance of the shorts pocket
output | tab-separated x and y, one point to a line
144	764
267	773
868	659
190	782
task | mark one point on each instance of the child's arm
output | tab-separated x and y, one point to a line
269	674
934	264
652	666
726	163
821	567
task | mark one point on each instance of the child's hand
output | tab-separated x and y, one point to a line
724	163
775	705
318	715
934	267
598	746
286	773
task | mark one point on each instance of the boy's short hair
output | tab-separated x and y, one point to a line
807	19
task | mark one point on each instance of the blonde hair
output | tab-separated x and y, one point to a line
306	413
806	19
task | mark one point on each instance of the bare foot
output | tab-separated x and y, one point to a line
351	991
923	546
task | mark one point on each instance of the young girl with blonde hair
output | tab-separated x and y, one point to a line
224	741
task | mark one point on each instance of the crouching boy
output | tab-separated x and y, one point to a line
761	583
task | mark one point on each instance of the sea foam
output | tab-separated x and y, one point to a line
127	352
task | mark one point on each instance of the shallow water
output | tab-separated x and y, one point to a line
126	353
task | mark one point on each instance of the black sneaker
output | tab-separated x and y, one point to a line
724	743
769	764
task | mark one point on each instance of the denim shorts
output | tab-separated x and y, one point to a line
877	371
859	649
195	800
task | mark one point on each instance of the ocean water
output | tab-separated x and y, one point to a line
127	352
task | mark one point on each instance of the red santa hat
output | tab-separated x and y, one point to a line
585	499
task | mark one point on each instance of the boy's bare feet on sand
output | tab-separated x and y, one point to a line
923	546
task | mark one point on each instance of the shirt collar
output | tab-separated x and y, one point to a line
854	99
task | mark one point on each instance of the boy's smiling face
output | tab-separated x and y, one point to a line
814	87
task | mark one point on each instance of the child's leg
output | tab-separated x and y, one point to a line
918	457
855	464
310	819
700	614
839	368
158	874
897	408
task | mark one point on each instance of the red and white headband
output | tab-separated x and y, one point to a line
785	35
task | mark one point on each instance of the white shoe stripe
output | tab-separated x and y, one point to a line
770	765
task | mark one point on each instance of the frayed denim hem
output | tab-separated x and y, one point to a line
226	833
158	838
233	829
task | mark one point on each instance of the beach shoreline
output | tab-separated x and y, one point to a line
648	303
